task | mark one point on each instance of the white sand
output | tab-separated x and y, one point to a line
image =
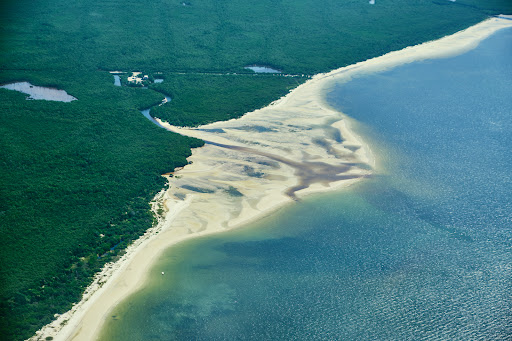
291	140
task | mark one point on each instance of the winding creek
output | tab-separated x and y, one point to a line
146	112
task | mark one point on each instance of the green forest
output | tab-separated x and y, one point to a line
76	178
200	99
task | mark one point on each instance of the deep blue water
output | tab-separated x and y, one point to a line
422	251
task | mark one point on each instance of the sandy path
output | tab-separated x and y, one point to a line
250	167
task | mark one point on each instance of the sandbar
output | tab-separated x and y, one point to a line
248	168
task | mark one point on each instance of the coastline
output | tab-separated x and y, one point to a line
290	136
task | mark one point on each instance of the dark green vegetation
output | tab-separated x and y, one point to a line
76	180
304	36
74	172
200	98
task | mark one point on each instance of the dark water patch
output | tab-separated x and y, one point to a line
197	189
503	17
252	173
330	131
308	173
180	196
352	148
220	131
333	133
271	164
40	92
259	129
299	128
232	191
322	142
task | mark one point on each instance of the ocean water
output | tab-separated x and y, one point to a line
421	251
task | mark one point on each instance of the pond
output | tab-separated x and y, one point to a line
40	92
262	69
117	80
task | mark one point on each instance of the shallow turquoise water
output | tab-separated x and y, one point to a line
421	251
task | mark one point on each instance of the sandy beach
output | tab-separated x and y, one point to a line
249	168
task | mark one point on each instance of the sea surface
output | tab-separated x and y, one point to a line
421	251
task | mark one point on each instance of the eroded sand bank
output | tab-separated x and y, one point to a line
248	168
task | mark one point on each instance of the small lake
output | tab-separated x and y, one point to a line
262	69
117	80
40	92
159	80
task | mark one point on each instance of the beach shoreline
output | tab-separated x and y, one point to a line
252	178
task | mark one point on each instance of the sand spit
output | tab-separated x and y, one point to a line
248	168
